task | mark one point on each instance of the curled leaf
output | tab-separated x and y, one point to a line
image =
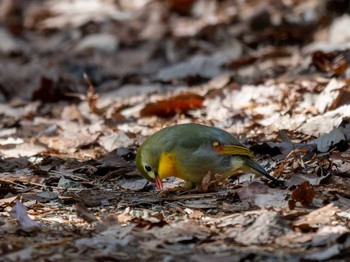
181	103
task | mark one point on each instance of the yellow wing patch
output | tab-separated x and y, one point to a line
233	150
168	165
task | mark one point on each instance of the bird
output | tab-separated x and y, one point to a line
191	151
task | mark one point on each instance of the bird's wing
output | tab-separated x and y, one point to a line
233	150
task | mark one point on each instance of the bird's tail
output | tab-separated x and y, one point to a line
259	170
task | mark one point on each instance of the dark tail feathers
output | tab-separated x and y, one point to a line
259	170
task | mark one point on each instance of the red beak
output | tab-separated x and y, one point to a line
159	183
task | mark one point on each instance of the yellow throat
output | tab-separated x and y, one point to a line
168	165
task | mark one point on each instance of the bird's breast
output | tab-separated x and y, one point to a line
168	165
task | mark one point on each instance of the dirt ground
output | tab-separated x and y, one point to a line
83	83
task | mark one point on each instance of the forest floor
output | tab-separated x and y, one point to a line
84	83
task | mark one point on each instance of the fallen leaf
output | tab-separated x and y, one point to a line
328	141
316	219
338	32
233	220
331	62
51	90
330	96
12	163
22	178
95	198
115	140
113	236
84	213
262	196
205	203
9	43
194	214
181	103
325	123
92	97
46	196
69	144
328	253
124	217
249	193
25	254
264	230
25	149
182	7
313	179
274	199
132	184
75	14
329	234
206	182
345	128
19	211
204	66
71	113
181	231
7	201
102	42
304	194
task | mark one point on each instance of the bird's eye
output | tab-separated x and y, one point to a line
148	168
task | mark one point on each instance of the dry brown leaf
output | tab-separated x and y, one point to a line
206	182
7	201
182	7
92	97
84	213
331	62
22	178
170	107
304	194
194	214
124	217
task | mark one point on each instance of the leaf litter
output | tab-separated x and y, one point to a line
72	116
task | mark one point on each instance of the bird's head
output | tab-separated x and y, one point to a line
147	161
